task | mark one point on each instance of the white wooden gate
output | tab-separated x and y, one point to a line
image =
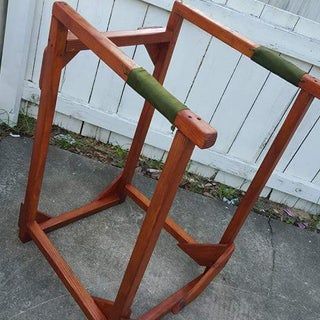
243	101
18	28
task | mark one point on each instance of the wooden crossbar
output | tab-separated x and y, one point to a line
170	225
88	209
124	38
69	34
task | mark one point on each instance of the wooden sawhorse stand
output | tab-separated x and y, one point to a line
69	34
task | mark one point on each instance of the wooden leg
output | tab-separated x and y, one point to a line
50	85
161	67
154	221
270	161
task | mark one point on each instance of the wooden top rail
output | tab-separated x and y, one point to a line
197	130
238	42
225	34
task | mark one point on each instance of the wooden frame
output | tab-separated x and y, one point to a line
69	34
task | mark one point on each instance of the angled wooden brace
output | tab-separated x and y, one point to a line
69	34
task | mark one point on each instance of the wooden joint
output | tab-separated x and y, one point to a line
311	85
204	254
104	305
64	60
205	279
153	50
196	129
23	230
42	217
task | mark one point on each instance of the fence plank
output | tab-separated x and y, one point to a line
34	36
80	72
237	102
267	111
212	78
14	58
43	36
107	97
190	48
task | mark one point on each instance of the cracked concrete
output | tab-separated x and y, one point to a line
274	273
273	253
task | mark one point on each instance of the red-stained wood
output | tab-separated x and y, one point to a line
108	52
170	225
104	305
311	85
290	125
178	158
105	49
204	254
88	209
79	293
50	85
153	51
205	280
196	129
160	71
226	35
124	38
166	305
42	217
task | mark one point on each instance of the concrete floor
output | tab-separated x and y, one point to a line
274	273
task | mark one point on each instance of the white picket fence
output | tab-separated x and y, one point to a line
243	101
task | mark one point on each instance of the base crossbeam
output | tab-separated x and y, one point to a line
79	213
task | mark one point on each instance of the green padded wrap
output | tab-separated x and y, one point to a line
149	88
283	68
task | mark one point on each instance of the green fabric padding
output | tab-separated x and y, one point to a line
149	88
283	68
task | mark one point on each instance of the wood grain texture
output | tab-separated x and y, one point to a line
196	129
124	38
221	32
52	72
